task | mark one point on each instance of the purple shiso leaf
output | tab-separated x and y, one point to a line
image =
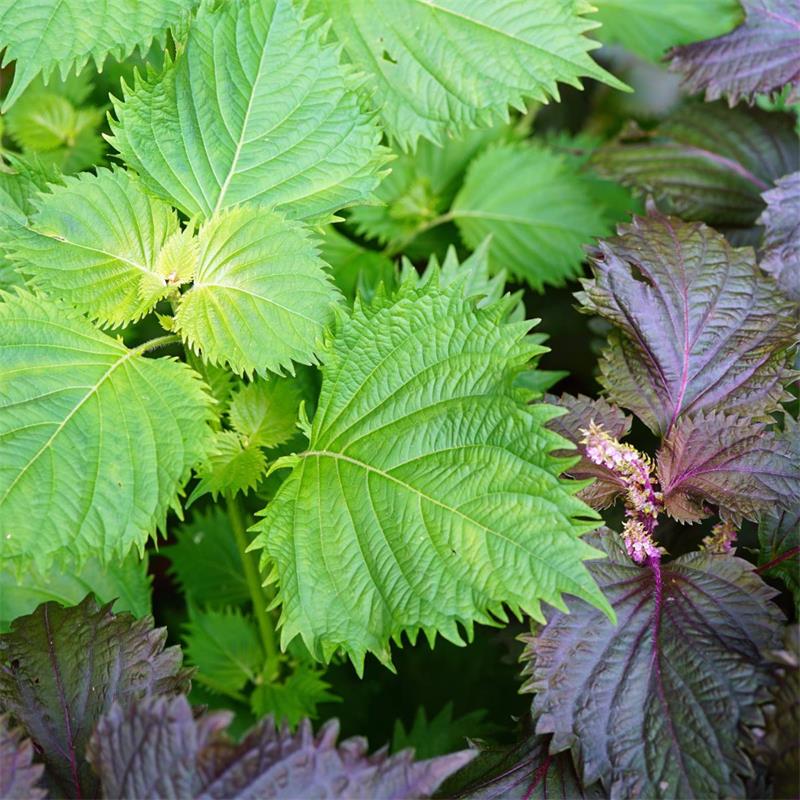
155	748
758	57
65	667
581	411
729	462
19	777
698	326
780	252
653	707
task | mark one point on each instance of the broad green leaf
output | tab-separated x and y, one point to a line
125	583
224	647
438	68
95	243
650	28
537	209
63	35
157	747
294	697
205	561
19	775
97	439
234	466
427	496
758	57
654	706
697	325
780	254
63	668
255	109
261	296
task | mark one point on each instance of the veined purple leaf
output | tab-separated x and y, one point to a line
65	667
653	706
758	57
169	752
780	252
706	162
698	325
581	411
730	462
19	777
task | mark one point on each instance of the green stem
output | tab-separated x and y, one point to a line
398	247
257	595
153	344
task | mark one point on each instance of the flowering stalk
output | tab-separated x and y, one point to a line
643	503
721	539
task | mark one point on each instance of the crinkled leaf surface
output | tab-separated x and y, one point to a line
95	242
780	250
65	667
581	411
697	325
758	57
261	296
729	462
653	705
19	777
440	67
255	109
706	162
536	207
125	583
173	754
45	35
649	28
97	439
427	496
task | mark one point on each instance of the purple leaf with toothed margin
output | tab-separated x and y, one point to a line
697	325
726	461
780	250
169	752
65	667
758	57
653	706
582	410
19	777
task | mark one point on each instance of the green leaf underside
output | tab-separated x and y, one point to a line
97	440
438	68
94	243
261	296
427	496
67	666
45	35
653	706
254	110
537	209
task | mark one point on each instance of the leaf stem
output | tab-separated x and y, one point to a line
392	250
254	586
790	553
154	344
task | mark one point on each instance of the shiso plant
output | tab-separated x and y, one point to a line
282	450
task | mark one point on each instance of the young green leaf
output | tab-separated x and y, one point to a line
293	698
697	325
649	28
65	667
225	648
706	162
537	209
780	254
232	467
438	68
95	242
758	57
729	462
261	296
126	584
653	706
47	35
255	109
97	439
427	496
439	734
156	747
19	776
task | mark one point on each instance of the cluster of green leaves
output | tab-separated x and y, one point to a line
314	209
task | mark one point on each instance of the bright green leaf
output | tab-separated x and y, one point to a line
294	697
